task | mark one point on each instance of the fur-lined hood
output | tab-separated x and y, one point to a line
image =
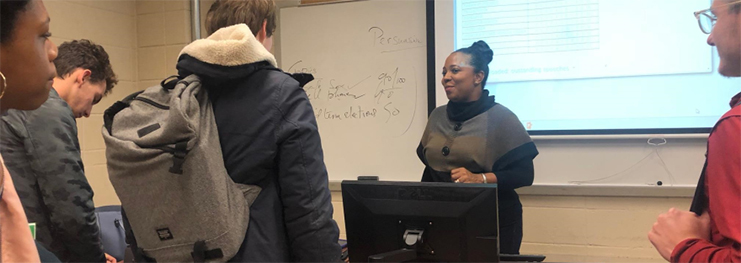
227	54
230	46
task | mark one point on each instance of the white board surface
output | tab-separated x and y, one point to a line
370	90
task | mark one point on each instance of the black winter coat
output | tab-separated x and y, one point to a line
269	137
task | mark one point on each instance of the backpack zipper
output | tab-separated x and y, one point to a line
153	103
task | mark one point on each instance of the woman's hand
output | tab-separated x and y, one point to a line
463	175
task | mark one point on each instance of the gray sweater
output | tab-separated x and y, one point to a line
493	141
42	153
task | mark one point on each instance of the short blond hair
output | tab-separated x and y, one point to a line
224	13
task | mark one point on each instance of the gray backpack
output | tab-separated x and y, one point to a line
166	165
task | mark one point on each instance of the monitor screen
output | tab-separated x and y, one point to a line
410	221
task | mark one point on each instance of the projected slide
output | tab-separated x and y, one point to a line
583	65
573	39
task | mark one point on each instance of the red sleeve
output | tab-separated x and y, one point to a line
723	179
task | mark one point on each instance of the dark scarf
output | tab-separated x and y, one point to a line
463	111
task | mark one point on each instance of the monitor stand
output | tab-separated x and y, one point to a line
412	238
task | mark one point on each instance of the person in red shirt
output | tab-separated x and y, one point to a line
711	230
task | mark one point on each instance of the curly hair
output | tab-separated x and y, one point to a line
87	55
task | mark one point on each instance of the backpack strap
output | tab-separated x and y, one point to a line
117	107
178	157
139	255
700	199
126	102
302	78
169	85
201	254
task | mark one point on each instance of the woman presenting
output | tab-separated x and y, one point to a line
473	139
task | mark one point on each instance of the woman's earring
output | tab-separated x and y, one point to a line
5	85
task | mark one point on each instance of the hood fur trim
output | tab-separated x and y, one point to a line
230	46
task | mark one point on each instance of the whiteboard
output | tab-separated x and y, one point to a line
370	90
662	161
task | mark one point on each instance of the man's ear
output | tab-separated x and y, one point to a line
262	34
83	76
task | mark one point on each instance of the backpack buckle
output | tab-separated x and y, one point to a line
178	157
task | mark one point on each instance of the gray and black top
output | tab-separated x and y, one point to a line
481	136
42	153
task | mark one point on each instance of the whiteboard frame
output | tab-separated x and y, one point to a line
703	136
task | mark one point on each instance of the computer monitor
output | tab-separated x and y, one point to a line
410	221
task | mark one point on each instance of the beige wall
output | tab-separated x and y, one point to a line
143	39
593	229
111	24
164	28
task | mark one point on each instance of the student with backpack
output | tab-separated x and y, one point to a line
268	140
268	134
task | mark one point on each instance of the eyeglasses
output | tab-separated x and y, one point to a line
706	18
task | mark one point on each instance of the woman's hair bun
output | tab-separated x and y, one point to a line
483	50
